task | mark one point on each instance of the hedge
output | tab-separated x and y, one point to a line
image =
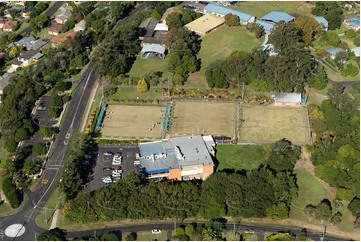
13	195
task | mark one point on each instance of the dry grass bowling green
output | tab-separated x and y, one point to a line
209	118
132	121
269	124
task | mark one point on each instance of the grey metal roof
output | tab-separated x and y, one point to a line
322	20
276	17
153	48
4	80
159	155
214	8
288	97
334	51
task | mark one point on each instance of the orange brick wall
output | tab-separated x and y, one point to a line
175	174
207	171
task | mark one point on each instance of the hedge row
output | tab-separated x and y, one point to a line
13	195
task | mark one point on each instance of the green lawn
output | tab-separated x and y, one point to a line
241	157
141	67
220	43
23	26
51	204
311	191
130	93
259	9
145	236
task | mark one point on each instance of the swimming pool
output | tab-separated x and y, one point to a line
354	21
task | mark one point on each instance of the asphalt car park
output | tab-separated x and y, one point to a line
104	167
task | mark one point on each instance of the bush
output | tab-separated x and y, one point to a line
321	53
39	149
11	193
47	131
30	168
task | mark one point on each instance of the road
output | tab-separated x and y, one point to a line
229	227
48	13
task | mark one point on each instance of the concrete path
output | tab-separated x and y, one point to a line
55	219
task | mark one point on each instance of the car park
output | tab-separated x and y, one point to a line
156	231
107	179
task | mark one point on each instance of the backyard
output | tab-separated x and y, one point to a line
268	124
209	118
141	67
241	157
220	43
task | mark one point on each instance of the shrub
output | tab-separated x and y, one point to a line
350	34
39	149
12	195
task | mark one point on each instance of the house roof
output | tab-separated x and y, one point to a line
37	56
65	12
4	80
23	41
59	39
148	24
265	25
205	23
194	149
161	27
2	21
153	48
277	17
80	26
322	20
356	51
210	8
10	24
16	62
334	51
288	97
28	54
62	18
56	28
29	10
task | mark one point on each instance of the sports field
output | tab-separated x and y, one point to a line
210	118
267	124
132	121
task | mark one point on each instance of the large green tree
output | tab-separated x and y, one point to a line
331	11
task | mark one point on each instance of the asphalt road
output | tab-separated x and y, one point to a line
229	227
48	13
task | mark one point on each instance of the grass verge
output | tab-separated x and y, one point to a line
45	218
145	236
130	93
241	157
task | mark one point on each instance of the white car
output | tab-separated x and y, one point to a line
156	231
117	162
108	153
117	172
136	162
107	179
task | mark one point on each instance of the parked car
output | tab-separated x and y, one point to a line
116	172
116	162
136	162
108	153
107	169
156	231
106	184
66	142
107	179
249	231
116	178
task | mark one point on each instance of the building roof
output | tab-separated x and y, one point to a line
169	11
153	48
29	10
334	51
10	24
80	26
2	21
322	20
28	54
174	153
4	80
58	39
277	17
23	41
148	24
161	27
356	51
35	44
62	18
2	55
16	62
210	8
37	56
205	23
65	12
288	97
265	25
56	28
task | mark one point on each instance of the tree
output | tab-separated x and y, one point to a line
142	86
119	9
323	210
354	206
215	75
11	193
15	51
336	219
155	14
280	237
278	211
331	11
39	22
39	149
68	25
333	38
55	234
47	131
131	237
231	20
256	29
283	156
319	81
110	237
56	101
30	168
189	230
303	235
174	20
21	134
309	27
341	58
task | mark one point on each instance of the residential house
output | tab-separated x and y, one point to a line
55	30
15	64
63	16
4	81
321	20
268	21
353	22
30	43
215	9
15	8
79	26
9	26
288	99
26	13
28	57
56	40
151	36
356	51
